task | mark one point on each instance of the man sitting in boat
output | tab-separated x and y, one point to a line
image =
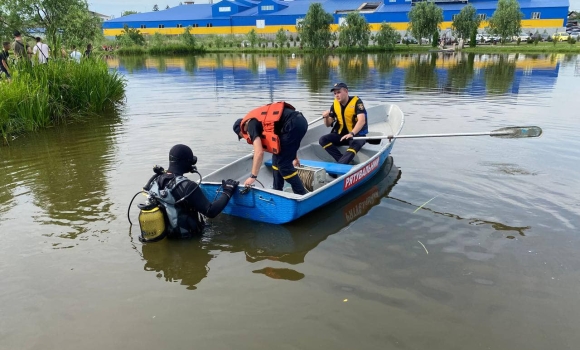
348	118
276	128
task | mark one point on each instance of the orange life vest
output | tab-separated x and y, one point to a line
267	115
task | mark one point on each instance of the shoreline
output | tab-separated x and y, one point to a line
541	48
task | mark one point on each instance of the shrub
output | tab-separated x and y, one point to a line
43	95
435	39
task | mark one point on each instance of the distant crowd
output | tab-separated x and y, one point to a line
40	53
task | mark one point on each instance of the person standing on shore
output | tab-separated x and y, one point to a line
4	60
41	50
75	54
88	51
21	49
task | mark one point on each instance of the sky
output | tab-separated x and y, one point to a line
116	7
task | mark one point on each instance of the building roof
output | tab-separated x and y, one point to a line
300	8
178	13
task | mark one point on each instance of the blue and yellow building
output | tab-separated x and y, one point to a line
268	16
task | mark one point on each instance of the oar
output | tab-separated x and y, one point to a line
315	120
512	132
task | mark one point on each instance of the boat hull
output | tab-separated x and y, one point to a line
280	207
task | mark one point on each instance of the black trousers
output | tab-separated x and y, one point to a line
330	143
291	135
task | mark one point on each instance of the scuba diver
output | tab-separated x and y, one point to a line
277	128
175	204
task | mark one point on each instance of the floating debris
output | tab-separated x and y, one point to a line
422	205
426	251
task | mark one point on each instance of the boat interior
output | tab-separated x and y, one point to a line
317	167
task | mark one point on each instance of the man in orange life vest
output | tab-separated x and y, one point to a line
348	118
276	128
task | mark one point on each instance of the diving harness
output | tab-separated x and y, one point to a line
158	215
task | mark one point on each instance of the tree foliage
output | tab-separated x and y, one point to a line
466	22
130	36
66	21
281	37
387	36
252	37
315	28
424	20
127	13
506	21
187	38
355	31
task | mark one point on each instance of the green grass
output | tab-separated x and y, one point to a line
176	49
544	47
43	95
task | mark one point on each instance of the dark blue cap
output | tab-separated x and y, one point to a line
237	128
337	86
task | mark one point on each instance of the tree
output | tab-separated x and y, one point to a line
155	7
506	21
466	22
424	20
315	28
281	37
387	37
127	13
355	31
131	36
252	37
187	38
62	20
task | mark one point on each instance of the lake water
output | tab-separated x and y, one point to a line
458	243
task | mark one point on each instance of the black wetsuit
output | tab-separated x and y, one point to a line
196	203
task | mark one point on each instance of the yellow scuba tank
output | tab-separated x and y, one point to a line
152	221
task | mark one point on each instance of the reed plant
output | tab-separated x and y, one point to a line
43	95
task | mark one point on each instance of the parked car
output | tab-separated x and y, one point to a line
523	37
541	36
408	39
560	36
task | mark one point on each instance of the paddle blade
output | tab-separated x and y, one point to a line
515	132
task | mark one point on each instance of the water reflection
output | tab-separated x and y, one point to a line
498	226
132	63
353	69
187	262
459	76
499	75
421	74
473	74
63	171
385	64
315	72
190	64
282	64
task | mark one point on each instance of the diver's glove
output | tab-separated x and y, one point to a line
229	186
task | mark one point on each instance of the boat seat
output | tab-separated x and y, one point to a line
331	168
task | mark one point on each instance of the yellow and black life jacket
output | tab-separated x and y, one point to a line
349	119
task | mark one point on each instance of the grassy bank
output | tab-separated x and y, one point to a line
170	50
544	47
43	95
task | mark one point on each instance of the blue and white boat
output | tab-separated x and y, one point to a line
318	171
